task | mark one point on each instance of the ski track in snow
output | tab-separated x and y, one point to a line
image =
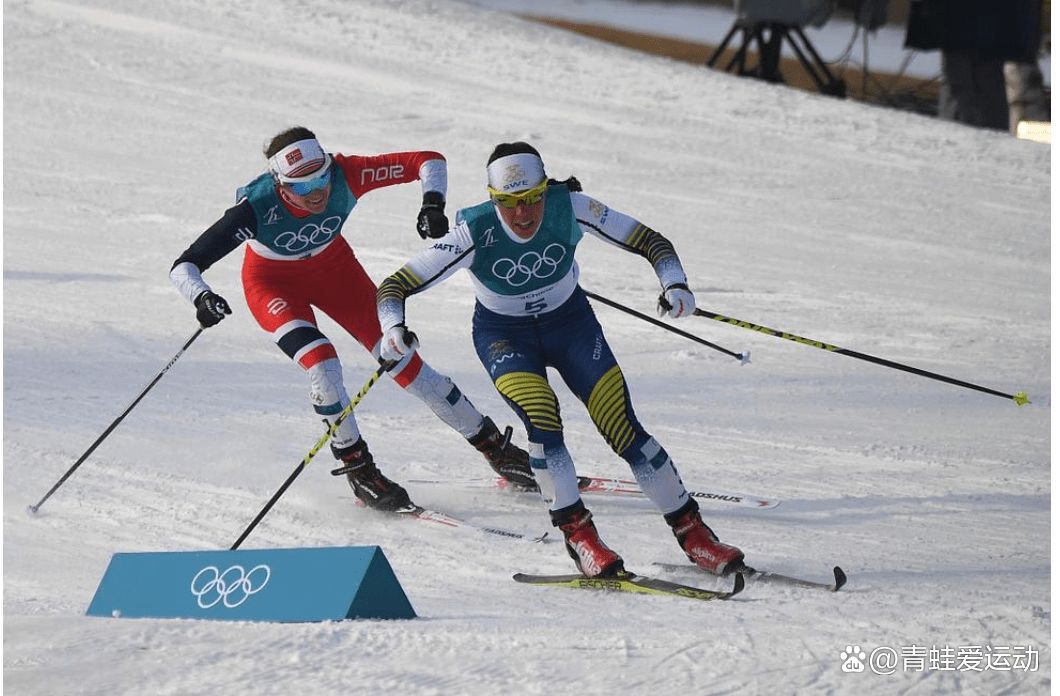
128	129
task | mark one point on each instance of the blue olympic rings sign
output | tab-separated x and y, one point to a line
232	587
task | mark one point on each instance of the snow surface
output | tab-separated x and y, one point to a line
128	126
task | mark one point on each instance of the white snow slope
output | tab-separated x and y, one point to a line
127	128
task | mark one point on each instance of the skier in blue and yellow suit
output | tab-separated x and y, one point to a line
531	314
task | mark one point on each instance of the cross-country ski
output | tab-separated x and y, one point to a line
839	577
632	583
613	486
422	514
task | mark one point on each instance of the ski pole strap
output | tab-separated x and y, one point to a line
742	357
1019	397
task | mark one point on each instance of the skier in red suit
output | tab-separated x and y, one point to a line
296	259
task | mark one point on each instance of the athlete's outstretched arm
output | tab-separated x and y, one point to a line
365	173
427	269
627	233
235	227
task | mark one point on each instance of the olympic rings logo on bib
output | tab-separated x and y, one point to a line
530	265
233	587
310	235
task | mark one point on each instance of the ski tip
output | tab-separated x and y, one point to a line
840	578
737	584
1021	398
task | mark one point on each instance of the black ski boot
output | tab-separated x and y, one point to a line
368	484
510	462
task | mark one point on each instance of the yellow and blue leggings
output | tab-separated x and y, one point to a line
515	352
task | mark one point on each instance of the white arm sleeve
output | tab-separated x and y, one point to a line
434	176
188	280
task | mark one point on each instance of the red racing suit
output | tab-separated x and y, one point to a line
296	260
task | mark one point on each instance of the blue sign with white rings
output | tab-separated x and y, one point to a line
282	585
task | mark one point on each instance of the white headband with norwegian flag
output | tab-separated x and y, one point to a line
299	161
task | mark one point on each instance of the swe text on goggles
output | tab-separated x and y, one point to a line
527	197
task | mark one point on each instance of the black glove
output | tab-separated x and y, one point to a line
210	308
432	221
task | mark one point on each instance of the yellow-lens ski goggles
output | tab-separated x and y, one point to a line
527	197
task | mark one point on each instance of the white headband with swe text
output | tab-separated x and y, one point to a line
515	172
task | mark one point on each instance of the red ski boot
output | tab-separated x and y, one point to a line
590	553
701	544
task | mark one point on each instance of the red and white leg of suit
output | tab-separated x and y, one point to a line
281	296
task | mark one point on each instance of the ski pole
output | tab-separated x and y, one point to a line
119	419
744	357
316	448
1019	397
